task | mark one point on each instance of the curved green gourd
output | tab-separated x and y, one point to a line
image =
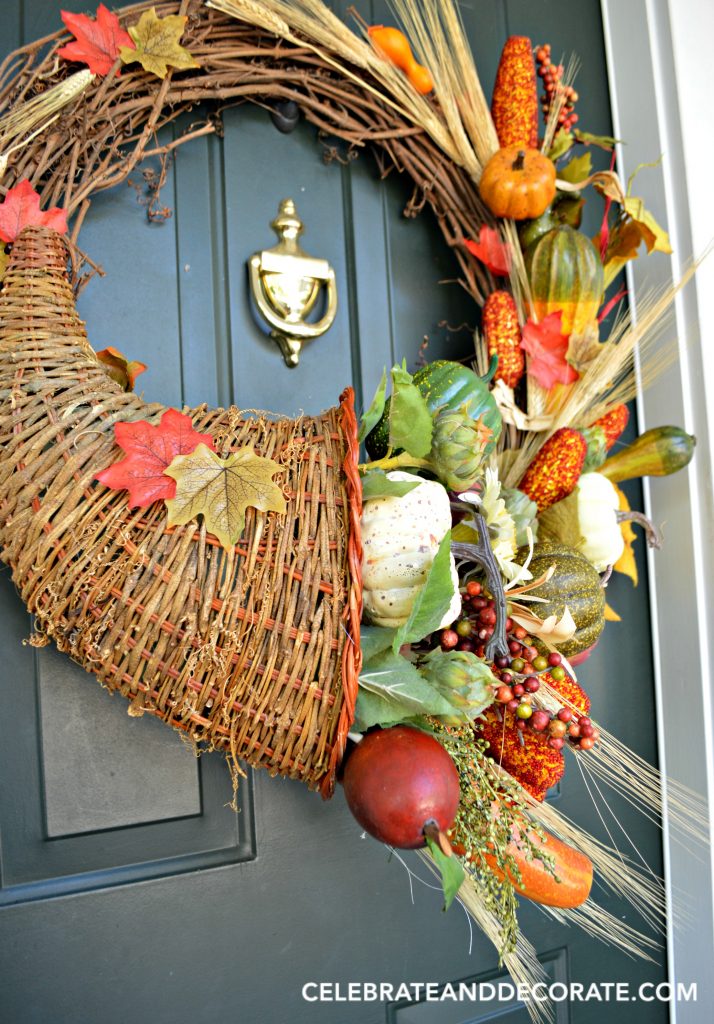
658	452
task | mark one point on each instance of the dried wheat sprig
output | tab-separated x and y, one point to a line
609	380
603	925
641	888
25	122
311	23
522	963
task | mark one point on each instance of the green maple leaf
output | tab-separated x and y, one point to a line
157	44
222	489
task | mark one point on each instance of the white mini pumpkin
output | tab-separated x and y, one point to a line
400	537
601	541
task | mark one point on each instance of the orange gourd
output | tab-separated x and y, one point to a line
394	46
518	183
573	872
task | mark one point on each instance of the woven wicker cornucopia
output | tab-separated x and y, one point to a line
254	651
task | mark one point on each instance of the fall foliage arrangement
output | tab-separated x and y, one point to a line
252	582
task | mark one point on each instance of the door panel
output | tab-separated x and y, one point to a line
131	889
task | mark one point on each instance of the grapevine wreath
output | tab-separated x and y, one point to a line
245	577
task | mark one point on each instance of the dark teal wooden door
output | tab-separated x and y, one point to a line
129	889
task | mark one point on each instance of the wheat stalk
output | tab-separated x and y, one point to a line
25	122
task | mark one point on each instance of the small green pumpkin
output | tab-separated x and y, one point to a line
566	274
575	583
444	384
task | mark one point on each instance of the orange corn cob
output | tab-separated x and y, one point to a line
569	690
503	336
514	104
556	469
524	755
530	761
613	423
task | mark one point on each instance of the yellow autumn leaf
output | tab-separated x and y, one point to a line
222	489
611	615
624	246
654	237
626	562
4	260
157	44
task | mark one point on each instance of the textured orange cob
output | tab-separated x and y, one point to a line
531	761
569	690
556	469
524	755
612	424
503	336
514	105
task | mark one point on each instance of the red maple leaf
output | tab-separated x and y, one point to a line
149	451
492	252
21	207
96	42
547	347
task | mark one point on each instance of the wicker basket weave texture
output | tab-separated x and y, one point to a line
254	650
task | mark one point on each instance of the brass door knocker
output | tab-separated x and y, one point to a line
286	284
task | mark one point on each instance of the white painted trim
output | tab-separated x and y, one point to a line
661	69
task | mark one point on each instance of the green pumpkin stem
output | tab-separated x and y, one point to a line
518	163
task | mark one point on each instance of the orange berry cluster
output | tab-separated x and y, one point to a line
552	75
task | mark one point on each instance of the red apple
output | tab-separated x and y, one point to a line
397	781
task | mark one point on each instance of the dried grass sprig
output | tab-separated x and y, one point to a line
26	120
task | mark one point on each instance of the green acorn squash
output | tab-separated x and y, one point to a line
444	384
575	583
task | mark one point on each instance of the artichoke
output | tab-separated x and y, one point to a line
463	679
458	447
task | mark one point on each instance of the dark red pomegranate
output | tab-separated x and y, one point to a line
399	780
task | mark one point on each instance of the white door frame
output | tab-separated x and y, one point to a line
661	70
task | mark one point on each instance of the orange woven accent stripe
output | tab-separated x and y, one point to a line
515	95
352	651
503	337
556	469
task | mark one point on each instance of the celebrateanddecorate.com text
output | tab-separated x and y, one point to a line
502	991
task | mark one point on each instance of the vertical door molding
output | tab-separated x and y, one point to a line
662	93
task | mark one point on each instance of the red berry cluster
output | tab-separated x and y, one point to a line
518	671
552	75
475	627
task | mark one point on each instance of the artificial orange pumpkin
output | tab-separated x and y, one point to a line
518	183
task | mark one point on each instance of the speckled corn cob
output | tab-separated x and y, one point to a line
613	423
556	469
503	336
514	105
526	756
